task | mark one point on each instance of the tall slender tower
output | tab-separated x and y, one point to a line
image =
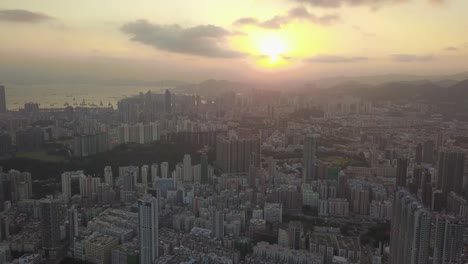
145	169
50	226
3	107
154	172
188	176
219	224
72	225
451	171
165	170
149	234
410	231
108	177
401	172
66	185
309	158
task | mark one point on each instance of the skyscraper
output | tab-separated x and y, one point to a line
450	172
401	172
66	185
164	170
428	151
72	225
3	107
448	247
148	227
309	158
204	168
188	176
219	224
235	154
144	174
128	177
410	231
108	177
154	172
295	232
50	223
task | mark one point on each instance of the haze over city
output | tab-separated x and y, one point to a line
234	132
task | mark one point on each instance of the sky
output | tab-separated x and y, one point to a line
65	40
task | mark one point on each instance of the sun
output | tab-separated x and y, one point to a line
273	47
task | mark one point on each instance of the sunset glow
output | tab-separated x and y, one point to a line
307	36
273	47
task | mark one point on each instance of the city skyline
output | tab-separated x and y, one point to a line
234	132
255	40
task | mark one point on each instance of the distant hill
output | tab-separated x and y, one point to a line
442	80
216	87
412	90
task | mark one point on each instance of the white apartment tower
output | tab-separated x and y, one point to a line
148	225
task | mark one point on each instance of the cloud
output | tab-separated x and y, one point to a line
371	3
23	16
335	59
412	58
299	13
451	48
202	40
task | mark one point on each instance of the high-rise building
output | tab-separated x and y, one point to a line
66	185
448	246
148	227
235	154
129	176
144	174
98	248
154	172
89	186
418	176
428	151
3	107
219	224
204	168
360	201
72	225
91	144
450	172
401	172
188	176
295	233
50	223
309	158
427	189
164	170
108	177
410	230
